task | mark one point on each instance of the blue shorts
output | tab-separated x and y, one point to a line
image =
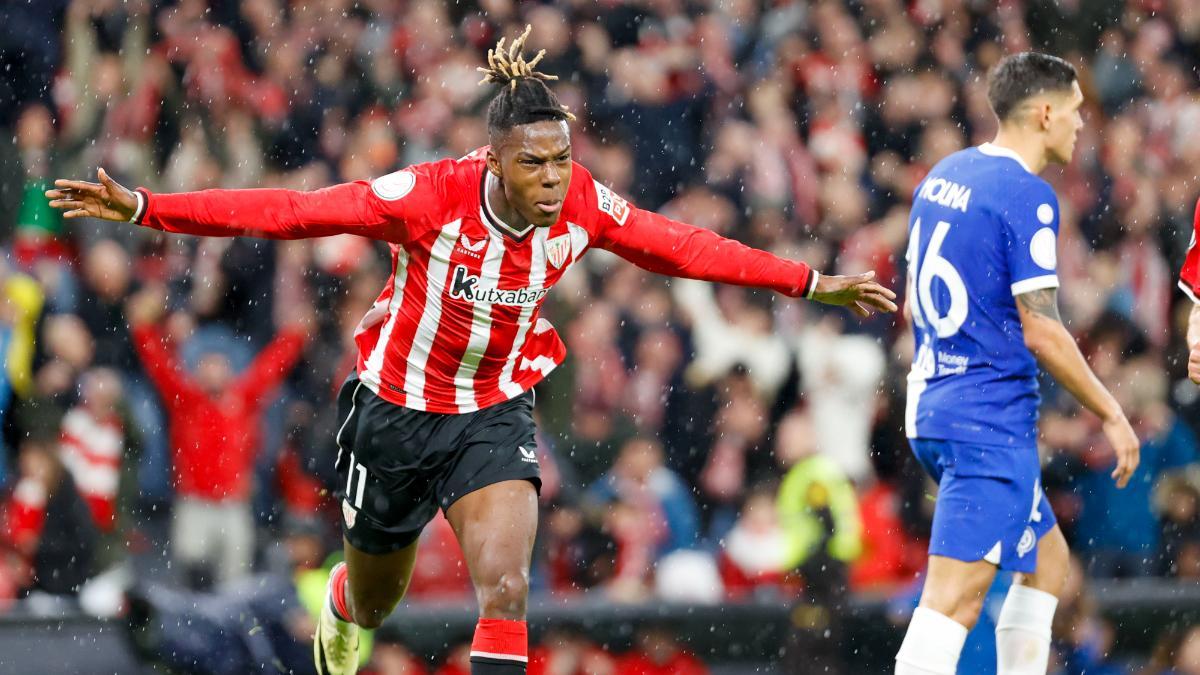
990	503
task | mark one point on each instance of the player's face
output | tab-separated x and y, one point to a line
1064	125
535	166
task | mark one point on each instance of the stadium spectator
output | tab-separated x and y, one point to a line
816	501
48	523
840	375
657	652
735	458
887	559
654	495
1179	506
753	557
100	448
214	417
565	650
1116	528
579	553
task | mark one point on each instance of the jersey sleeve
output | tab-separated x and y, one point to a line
390	208
1189	276
1030	218
664	246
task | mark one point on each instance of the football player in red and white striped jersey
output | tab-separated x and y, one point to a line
438	413
1189	281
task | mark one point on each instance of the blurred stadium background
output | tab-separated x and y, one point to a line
728	488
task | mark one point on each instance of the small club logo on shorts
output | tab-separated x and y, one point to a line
1026	544
528	455
349	514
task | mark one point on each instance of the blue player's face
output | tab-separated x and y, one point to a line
1064	125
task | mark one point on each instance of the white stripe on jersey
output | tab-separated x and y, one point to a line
579	240
1188	291
481	330
537	278
374	364
431	316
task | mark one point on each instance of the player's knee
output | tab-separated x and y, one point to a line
1053	564
503	595
960	604
370	615
967	611
371	607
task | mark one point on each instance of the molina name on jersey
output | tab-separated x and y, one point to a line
983	229
458	326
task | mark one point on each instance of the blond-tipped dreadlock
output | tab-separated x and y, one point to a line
526	99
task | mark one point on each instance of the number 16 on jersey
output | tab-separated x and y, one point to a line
922	270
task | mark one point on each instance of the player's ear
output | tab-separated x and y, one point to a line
1045	109
493	162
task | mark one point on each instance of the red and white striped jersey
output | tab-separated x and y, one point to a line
458	328
92	450
1189	276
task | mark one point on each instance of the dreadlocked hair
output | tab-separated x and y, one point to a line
524	97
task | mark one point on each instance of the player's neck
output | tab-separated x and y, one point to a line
1028	147
499	203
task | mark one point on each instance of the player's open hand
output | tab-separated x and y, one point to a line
108	199
859	292
1127	447
1194	363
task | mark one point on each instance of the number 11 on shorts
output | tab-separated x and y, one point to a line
361	470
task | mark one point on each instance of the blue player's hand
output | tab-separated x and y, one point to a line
1126	445
859	292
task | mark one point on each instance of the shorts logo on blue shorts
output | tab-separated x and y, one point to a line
1026	544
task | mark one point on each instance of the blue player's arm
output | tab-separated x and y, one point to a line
1056	351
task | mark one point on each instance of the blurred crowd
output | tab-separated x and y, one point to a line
170	399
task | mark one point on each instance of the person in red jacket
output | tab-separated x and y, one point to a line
439	413
213	418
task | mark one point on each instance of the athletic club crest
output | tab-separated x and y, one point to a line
349	514
558	250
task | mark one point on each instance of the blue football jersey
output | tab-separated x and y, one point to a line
983	229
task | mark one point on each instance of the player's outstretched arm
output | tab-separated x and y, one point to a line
350	208
1193	340
1055	349
658	244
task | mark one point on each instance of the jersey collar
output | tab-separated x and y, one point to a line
489	215
993	150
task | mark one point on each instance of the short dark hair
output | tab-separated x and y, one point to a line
1020	76
524	97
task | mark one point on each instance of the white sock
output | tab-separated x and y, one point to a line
931	645
1023	631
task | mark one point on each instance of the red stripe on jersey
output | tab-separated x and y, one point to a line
457	315
1189	276
482	328
407	309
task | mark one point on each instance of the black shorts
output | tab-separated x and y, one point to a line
398	465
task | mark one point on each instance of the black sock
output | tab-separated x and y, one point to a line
484	666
